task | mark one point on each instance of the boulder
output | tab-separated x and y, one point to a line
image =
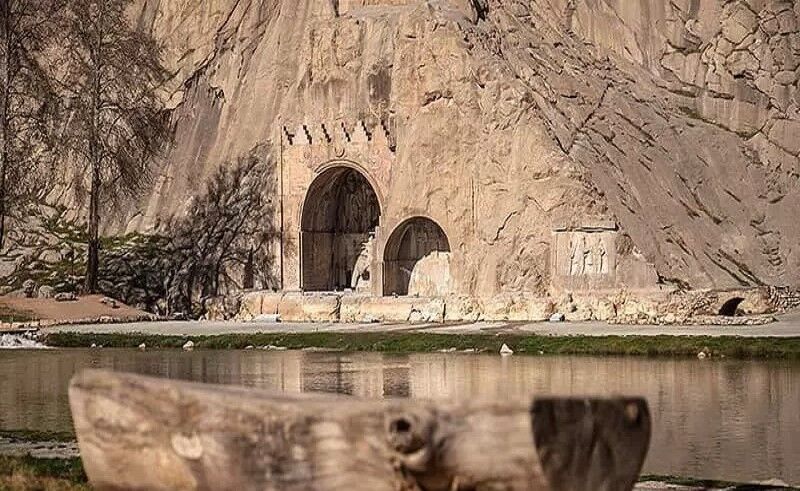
65	297
28	288
462	309
355	308
311	307
46	291
427	311
604	310
580	314
110	302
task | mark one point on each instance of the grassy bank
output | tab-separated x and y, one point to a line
26	473
7	314
709	484
38	436
670	346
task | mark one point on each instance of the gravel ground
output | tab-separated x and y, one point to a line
787	326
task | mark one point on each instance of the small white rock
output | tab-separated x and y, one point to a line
505	350
701	355
94	345
189	346
249	347
142	346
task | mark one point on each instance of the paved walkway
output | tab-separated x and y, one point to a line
787	326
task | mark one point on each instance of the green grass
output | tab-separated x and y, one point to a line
653	346
9	315
708	484
28	473
38	436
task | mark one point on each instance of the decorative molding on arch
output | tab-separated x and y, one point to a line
352	164
341	132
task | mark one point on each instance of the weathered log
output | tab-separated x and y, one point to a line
143	433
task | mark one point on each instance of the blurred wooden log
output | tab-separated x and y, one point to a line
143	433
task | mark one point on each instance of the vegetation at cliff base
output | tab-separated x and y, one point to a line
28	473
7	314
23	473
674	346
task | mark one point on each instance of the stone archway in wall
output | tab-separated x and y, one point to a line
340	214
417	259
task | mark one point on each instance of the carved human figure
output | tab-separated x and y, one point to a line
601	256
587	263
357	211
577	247
361	270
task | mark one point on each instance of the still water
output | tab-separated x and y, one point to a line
734	420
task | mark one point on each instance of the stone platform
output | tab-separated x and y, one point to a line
752	306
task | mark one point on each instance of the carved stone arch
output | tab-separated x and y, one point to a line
361	169
411	242
339	216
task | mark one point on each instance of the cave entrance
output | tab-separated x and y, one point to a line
412	241
340	214
731	307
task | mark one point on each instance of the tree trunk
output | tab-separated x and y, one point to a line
95	157
93	259
142	433
5	73
249	280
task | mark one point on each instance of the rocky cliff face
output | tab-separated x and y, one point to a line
678	120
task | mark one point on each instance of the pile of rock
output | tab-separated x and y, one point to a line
784	298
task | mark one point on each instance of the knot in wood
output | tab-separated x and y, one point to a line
187	446
409	431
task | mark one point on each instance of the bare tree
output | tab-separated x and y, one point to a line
223	243
116	124
26	95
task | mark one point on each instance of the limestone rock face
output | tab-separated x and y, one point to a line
507	122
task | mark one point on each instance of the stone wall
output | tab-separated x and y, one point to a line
697	307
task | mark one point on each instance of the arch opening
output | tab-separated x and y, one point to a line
731	307
416	259
340	214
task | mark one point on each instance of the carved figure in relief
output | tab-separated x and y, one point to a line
587	264
356	206
588	255
577	247
361	271
601	255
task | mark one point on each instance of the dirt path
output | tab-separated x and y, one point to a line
787	326
89	308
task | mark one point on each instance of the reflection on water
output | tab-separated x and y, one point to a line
714	419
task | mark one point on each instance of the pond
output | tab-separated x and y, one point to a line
720	419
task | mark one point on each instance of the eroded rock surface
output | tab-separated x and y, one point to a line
507	120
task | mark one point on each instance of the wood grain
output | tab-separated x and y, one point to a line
142	433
